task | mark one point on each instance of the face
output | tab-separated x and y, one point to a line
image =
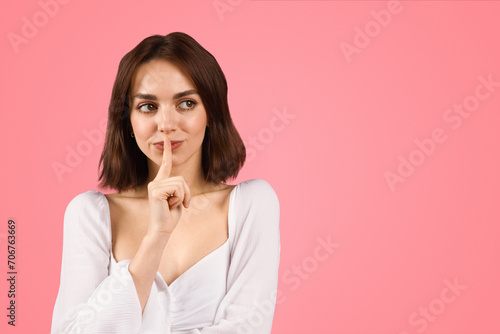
164	100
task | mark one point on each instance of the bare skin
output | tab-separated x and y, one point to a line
201	229
176	218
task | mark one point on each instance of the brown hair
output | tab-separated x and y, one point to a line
124	165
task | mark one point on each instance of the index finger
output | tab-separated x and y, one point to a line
166	164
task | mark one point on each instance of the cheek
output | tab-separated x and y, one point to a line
141	128
195	126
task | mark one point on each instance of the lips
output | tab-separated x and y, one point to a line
174	144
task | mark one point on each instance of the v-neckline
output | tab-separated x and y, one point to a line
158	274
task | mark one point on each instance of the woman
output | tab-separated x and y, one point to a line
176	249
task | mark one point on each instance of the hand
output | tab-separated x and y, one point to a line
164	210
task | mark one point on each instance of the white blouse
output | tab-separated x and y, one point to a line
231	290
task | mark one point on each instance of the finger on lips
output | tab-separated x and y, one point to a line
164	173
166	164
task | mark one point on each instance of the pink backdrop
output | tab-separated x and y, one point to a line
377	124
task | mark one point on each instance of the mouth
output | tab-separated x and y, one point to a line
174	144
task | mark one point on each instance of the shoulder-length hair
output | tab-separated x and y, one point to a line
122	164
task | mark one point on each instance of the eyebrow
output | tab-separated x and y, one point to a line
153	97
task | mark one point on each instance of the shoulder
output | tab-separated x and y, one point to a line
255	213
257	191
92	199
87	210
87	223
256	202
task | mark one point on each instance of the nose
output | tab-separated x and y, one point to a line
167	120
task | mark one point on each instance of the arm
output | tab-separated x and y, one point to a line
248	306
164	196
145	264
90	299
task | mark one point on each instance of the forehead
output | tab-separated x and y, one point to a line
160	76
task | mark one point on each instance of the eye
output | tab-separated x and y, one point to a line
147	107
187	105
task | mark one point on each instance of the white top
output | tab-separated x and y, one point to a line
231	290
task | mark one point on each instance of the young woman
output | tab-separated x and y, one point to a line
175	249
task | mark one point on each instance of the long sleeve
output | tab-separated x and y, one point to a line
248	306
90	299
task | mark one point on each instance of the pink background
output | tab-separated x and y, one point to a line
354	118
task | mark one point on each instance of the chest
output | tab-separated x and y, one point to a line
202	228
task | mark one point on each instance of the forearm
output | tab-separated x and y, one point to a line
145	264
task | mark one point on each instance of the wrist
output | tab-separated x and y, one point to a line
157	237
